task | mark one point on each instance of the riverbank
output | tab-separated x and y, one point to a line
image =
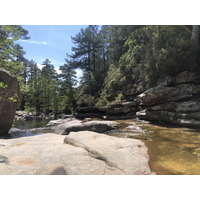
163	149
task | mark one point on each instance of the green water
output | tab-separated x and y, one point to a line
172	150
36	123
23	128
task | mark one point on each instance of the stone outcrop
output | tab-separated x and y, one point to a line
158	95
175	100
85	112
77	125
120	110
83	153
178	104
9	100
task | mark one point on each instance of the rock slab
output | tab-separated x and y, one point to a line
47	154
127	155
7	105
76	125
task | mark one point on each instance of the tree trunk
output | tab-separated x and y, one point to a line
196	33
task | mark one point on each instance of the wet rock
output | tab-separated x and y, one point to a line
7	105
96	126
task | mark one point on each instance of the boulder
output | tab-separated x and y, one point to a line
127	155
9	100
158	95
53	123
96	126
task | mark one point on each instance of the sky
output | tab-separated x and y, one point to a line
50	41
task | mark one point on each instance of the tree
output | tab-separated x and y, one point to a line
68	81
10	52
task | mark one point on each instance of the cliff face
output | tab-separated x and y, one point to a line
174	100
9	100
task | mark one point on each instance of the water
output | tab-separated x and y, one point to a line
29	128
172	150
36	123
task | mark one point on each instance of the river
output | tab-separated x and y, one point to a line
172	150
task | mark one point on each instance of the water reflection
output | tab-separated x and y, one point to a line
29	128
172	150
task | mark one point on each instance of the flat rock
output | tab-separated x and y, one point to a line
48	154
96	126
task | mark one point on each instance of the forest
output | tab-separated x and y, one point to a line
117	61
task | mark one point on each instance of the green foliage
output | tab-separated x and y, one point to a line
30	109
2	85
111	87
156	50
13	98
9	51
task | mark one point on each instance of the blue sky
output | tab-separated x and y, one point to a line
49	41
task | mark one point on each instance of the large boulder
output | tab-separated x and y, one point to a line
96	126
9	100
127	155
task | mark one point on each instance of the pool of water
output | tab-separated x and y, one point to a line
23	128
172	150
36	123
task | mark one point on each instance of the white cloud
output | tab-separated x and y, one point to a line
40	66
79	73
56	68
33	42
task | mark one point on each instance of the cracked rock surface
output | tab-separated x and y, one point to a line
127	155
83	153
